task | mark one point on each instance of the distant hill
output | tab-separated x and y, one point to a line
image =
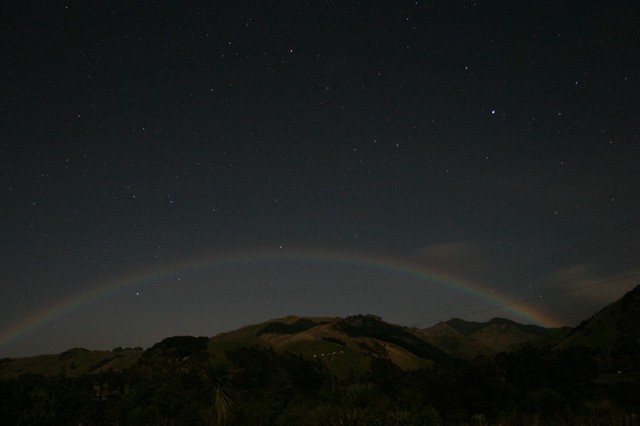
348	346
468	339
354	370
612	332
450	340
74	362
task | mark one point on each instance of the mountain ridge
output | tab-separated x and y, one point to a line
353	342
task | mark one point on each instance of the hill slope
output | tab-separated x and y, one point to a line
347	345
612	332
468	339
75	362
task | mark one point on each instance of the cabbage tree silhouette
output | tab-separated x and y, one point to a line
222	407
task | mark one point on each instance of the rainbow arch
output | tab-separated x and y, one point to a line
153	273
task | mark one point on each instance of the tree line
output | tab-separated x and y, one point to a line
179	382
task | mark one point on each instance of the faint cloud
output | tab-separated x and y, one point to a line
574	274
468	259
585	283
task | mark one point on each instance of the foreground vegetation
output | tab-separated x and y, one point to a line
180	381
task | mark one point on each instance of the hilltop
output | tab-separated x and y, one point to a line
359	369
348	345
469	339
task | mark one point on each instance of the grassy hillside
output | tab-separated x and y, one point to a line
346	351
453	342
336	371
469	339
613	331
72	363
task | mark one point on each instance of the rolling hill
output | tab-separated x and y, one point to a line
469	339
354	370
348	346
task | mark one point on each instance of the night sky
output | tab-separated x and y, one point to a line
192	167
